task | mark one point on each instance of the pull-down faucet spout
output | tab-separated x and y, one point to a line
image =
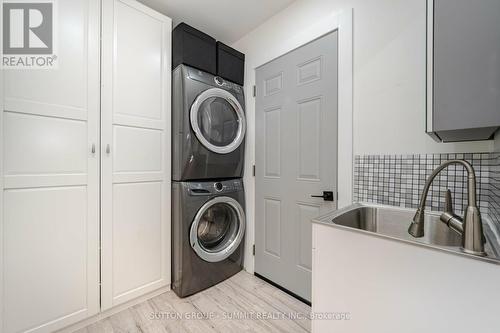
471	224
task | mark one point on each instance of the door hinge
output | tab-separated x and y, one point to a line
253	249
254	90
253	170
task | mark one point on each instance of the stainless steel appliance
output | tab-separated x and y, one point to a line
208	228
208	126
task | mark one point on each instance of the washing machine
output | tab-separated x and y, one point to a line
208	126
208	228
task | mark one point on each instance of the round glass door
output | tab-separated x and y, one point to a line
218	120
217	229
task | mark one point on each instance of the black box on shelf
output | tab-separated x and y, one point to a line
193	48
230	64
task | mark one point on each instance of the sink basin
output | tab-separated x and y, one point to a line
393	222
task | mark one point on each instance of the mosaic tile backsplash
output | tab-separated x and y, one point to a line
398	180
494	186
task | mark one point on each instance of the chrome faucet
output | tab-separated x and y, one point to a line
470	227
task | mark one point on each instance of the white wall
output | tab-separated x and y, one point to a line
389	76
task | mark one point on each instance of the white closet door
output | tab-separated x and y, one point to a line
136	51
49	188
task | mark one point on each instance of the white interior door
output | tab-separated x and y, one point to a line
135	147
296	158
49	195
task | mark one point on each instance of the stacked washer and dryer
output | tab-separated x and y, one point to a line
208	136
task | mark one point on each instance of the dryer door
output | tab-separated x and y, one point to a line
218	229
218	120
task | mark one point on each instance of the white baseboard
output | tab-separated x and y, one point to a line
112	311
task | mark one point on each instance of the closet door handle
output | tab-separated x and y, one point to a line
108	149
92	150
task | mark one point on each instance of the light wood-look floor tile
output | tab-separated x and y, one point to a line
260	308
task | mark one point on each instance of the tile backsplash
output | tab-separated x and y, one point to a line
494	188
398	180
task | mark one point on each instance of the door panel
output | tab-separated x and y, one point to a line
217	229
273	84
309	71
63	90
305	213
296	154
272	135
137	149
48	145
137	251
218	120
49	188
46	230
309	139
135	125
138	56
272	222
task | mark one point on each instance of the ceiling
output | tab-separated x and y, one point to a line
225	20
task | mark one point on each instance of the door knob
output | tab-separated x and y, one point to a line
327	196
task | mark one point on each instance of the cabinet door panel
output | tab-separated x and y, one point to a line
136	151
44	145
466	64
463	76
137	252
49	181
67	87
138	81
45	265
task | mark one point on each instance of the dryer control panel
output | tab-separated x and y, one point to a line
212	80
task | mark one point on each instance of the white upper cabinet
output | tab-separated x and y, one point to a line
135	124
49	222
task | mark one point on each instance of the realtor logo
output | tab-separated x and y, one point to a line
28	34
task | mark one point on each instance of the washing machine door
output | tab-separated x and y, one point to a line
218	120
217	229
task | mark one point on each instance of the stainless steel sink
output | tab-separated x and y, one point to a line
392	222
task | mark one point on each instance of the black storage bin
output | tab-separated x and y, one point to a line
193	48
230	64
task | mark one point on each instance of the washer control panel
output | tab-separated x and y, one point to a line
220	187
218	80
